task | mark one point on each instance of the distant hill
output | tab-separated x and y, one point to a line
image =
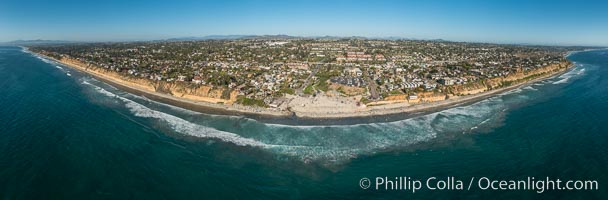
36	42
273	37
262	37
219	37
234	37
210	37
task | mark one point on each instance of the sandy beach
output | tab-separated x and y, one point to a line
396	108
319	107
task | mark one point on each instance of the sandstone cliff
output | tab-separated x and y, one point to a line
479	87
177	89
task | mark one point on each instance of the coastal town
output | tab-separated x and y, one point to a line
306	75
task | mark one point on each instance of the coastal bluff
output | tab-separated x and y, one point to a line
190	92
517	78
204	97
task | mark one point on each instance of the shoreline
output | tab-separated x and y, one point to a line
426	108
199	106
382	114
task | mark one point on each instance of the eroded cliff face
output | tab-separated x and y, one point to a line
176	89
520	77
511	79
430	97
196	93
468	89
420	97
475	88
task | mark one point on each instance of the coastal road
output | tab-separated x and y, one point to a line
300	91
373	88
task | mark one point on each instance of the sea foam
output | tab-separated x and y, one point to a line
180	125
577	71
325	144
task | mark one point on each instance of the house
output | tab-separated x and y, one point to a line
277	102
197	80
447	81
353	71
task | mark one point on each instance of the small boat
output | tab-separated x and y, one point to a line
68	74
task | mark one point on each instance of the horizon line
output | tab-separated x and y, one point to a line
244	36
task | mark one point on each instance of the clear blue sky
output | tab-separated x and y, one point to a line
497	21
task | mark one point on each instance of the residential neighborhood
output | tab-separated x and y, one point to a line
263	70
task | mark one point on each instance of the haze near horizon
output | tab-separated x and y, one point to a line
529	22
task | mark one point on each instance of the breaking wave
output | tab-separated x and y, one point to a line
333	144
178	124
530	88
164	104
579	70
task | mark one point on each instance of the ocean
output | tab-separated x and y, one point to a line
65	135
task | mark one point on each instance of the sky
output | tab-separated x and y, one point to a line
543	22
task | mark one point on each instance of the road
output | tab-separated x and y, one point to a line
300	91
373	88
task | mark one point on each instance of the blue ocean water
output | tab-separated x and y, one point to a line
65	135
